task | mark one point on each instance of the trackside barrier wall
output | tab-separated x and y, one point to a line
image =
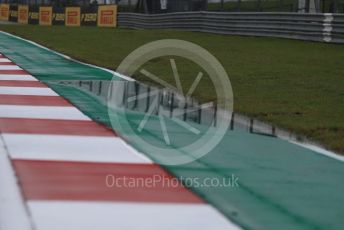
337	28
312	27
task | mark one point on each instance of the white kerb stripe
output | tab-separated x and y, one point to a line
69	215
14	77
5	60
41	112
12	207
9	67
71	148
27	91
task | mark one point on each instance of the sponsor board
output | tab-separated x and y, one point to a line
23	14
4	12
72	16
45	15
104	15
107	16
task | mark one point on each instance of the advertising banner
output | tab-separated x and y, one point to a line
72	16
4	12
107	16
23	14
13	13
59	16
92	15
45	15
89	16
33	15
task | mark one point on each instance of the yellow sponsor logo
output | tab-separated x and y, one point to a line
33	15
59	17
14	14
91	17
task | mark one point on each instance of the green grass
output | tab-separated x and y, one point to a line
294	84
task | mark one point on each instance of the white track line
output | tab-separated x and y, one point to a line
13	215
37	91
41	112
14	77
320	151
10	67
71	148
123	215
5	60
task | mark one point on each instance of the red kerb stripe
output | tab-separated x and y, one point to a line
54	127
33	100
22	83
7	63
23	72
56	180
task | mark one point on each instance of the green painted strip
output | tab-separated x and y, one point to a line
282	186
